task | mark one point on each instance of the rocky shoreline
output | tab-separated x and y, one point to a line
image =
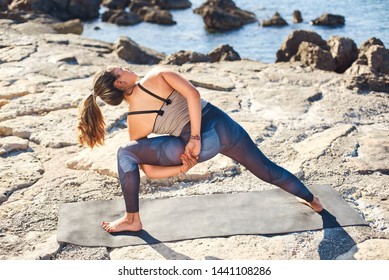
304	118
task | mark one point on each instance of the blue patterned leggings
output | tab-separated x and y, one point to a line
219	134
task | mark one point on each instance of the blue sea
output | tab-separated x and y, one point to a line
364	19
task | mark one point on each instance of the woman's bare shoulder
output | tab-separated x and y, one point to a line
157	76
159	70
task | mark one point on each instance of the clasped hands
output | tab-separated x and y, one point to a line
191	155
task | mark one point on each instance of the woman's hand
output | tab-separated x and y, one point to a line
187	162
193	148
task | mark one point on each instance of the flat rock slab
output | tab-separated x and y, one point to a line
280	101
373	150
16	53
267	212
17	172
229	102
210	81
56	129
315	145
12	143
372	249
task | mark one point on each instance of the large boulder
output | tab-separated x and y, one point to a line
374	55
116	4
371	70
297	18
74	26
62	9
130	51
336	54
182	57
121	17
220	53
154	11
367	44
150	12
329	20
344	51
291	45
173	4
156	15
136	5
218	20
314	56
223	53
4	5
83	9
222	15
161	4
276	20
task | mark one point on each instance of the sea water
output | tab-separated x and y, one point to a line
364	19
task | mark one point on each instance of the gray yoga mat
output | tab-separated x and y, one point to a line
171	219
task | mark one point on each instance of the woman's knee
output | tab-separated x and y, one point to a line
210	145
170	150
126	157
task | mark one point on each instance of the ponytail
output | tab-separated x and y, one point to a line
91	126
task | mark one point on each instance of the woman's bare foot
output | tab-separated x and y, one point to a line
130	222
314	204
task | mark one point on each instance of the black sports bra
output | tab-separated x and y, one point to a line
159	112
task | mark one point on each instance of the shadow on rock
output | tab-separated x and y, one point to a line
336	241
164	250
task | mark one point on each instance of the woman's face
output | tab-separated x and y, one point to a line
124	76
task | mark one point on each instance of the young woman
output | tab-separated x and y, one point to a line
163	102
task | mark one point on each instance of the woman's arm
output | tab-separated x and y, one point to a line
192	95
159	172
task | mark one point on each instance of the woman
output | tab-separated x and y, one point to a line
163	102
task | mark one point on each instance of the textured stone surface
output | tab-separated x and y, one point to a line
134	53
223	15
373	249
276	20
12	143
329	20
210	81
371	149
291	44
301	118
18	172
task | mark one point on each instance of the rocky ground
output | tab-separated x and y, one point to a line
306	120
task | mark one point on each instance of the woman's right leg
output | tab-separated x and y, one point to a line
164	150
237	144
249	155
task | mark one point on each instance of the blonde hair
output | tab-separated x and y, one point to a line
91	125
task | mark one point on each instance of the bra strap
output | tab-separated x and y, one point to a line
167	101
159	112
